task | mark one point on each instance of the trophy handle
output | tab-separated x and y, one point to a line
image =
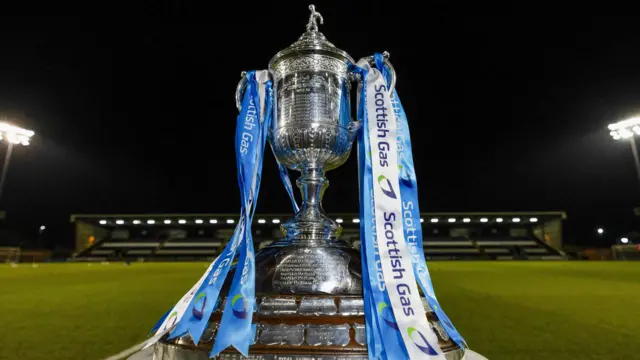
386	57
355	125
242	86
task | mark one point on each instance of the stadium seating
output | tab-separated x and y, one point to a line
523	248
192	246
461	248
447	236
173	244
450	248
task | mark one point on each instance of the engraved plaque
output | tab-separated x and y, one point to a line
278	306
317	306
312	270
361	334
281	334
185	340
226	356
328	335
236	357
351	306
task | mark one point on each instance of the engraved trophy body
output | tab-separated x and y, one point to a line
312	133
309	283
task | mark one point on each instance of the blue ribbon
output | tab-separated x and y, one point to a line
235	327
247	130
381	325
411	211
284	176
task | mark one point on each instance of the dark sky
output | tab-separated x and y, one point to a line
133	107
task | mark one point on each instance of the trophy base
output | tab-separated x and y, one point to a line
309	306
309	327
172	352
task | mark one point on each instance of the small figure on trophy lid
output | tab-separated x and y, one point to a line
313	24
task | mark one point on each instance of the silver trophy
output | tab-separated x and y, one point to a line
309	283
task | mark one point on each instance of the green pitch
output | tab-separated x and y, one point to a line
505	310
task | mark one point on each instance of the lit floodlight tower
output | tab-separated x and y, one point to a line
626	130
13	135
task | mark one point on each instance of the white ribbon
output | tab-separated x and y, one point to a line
420	340
178	310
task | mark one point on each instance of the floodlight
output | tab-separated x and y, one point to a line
14	134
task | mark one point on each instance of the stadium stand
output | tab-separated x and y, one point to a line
450	248
447	236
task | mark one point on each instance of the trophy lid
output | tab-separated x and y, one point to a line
312	41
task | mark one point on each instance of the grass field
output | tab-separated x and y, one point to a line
505	310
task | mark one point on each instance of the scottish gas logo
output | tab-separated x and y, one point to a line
422	342
405	176
171	320
239	307
385	186
199	304
386	314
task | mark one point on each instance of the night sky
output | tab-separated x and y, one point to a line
133	111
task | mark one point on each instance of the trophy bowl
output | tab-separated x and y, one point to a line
312	145
312	131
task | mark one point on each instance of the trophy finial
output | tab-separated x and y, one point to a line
312	25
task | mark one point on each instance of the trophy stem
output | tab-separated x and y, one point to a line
312	184
311	225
